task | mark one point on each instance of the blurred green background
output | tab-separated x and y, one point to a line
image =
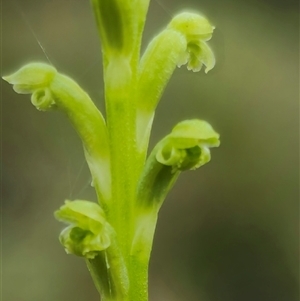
228	231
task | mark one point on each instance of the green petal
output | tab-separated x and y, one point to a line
207	56
43	99
31	77
82	213
190	133
192	25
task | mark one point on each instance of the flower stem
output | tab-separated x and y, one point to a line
121	130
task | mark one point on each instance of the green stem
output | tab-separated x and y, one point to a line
121	129
109	274
90	126
140	256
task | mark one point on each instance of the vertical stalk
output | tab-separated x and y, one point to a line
125	171
140	256
121	129
126	165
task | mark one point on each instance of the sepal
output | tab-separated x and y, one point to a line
31	77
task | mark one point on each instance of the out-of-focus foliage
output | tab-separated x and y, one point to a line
230	235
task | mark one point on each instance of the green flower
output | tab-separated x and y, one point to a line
53	90
197	30
187	146
88	233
